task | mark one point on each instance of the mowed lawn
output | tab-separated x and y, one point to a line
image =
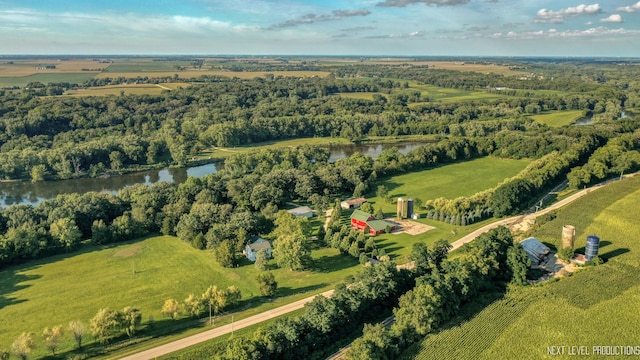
559	118
60	289
596	306
464	178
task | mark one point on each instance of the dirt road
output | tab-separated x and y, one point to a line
222	330
522	218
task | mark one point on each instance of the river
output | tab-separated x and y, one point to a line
12	193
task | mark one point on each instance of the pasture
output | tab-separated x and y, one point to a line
595	306
558	118
63	288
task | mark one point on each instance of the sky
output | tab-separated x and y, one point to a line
321	27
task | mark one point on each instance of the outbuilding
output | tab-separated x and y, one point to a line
302	211
536	251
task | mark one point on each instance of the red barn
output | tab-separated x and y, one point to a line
359	219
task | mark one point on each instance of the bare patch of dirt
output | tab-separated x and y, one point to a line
129	251
410	227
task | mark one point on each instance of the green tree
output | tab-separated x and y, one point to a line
214	298
419	311
232	296
66	232
23	345
367	207
38	172
438	252
171	308
51	337
130	320
193	305
518	263
292	252
261	260
421	258
78	329
382	192
380	214
375	344
267	283
4	354
104	324
225	254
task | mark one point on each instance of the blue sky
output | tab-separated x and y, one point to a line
318	27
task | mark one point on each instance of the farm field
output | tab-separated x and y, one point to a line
45	78
596	306
75	287
559	118
198	73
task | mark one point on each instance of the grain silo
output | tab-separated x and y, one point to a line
400	212
409	208
591	250
568	236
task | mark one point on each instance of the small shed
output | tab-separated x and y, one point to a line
302	211
352	203
251	249
536	251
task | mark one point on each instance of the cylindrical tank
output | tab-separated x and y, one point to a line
568	236
591	250
409	208
400	208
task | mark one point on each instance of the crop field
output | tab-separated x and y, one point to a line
596	306
20	68
558	118
22	81
197	73
63	288
436	93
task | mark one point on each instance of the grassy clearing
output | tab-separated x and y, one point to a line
558	118
223	153
65	288
127	89
360	95
451	181
595	306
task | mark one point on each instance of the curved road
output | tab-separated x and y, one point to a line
252	320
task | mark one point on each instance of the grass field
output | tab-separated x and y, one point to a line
223	153
558	118
450	181
127	89
596	306
64	288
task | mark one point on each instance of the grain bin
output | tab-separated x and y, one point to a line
568	236
400	212
591	250
409	208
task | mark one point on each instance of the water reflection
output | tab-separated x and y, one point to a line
34	193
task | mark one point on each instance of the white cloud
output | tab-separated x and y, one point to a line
629	9
613	18
557	17
599	31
